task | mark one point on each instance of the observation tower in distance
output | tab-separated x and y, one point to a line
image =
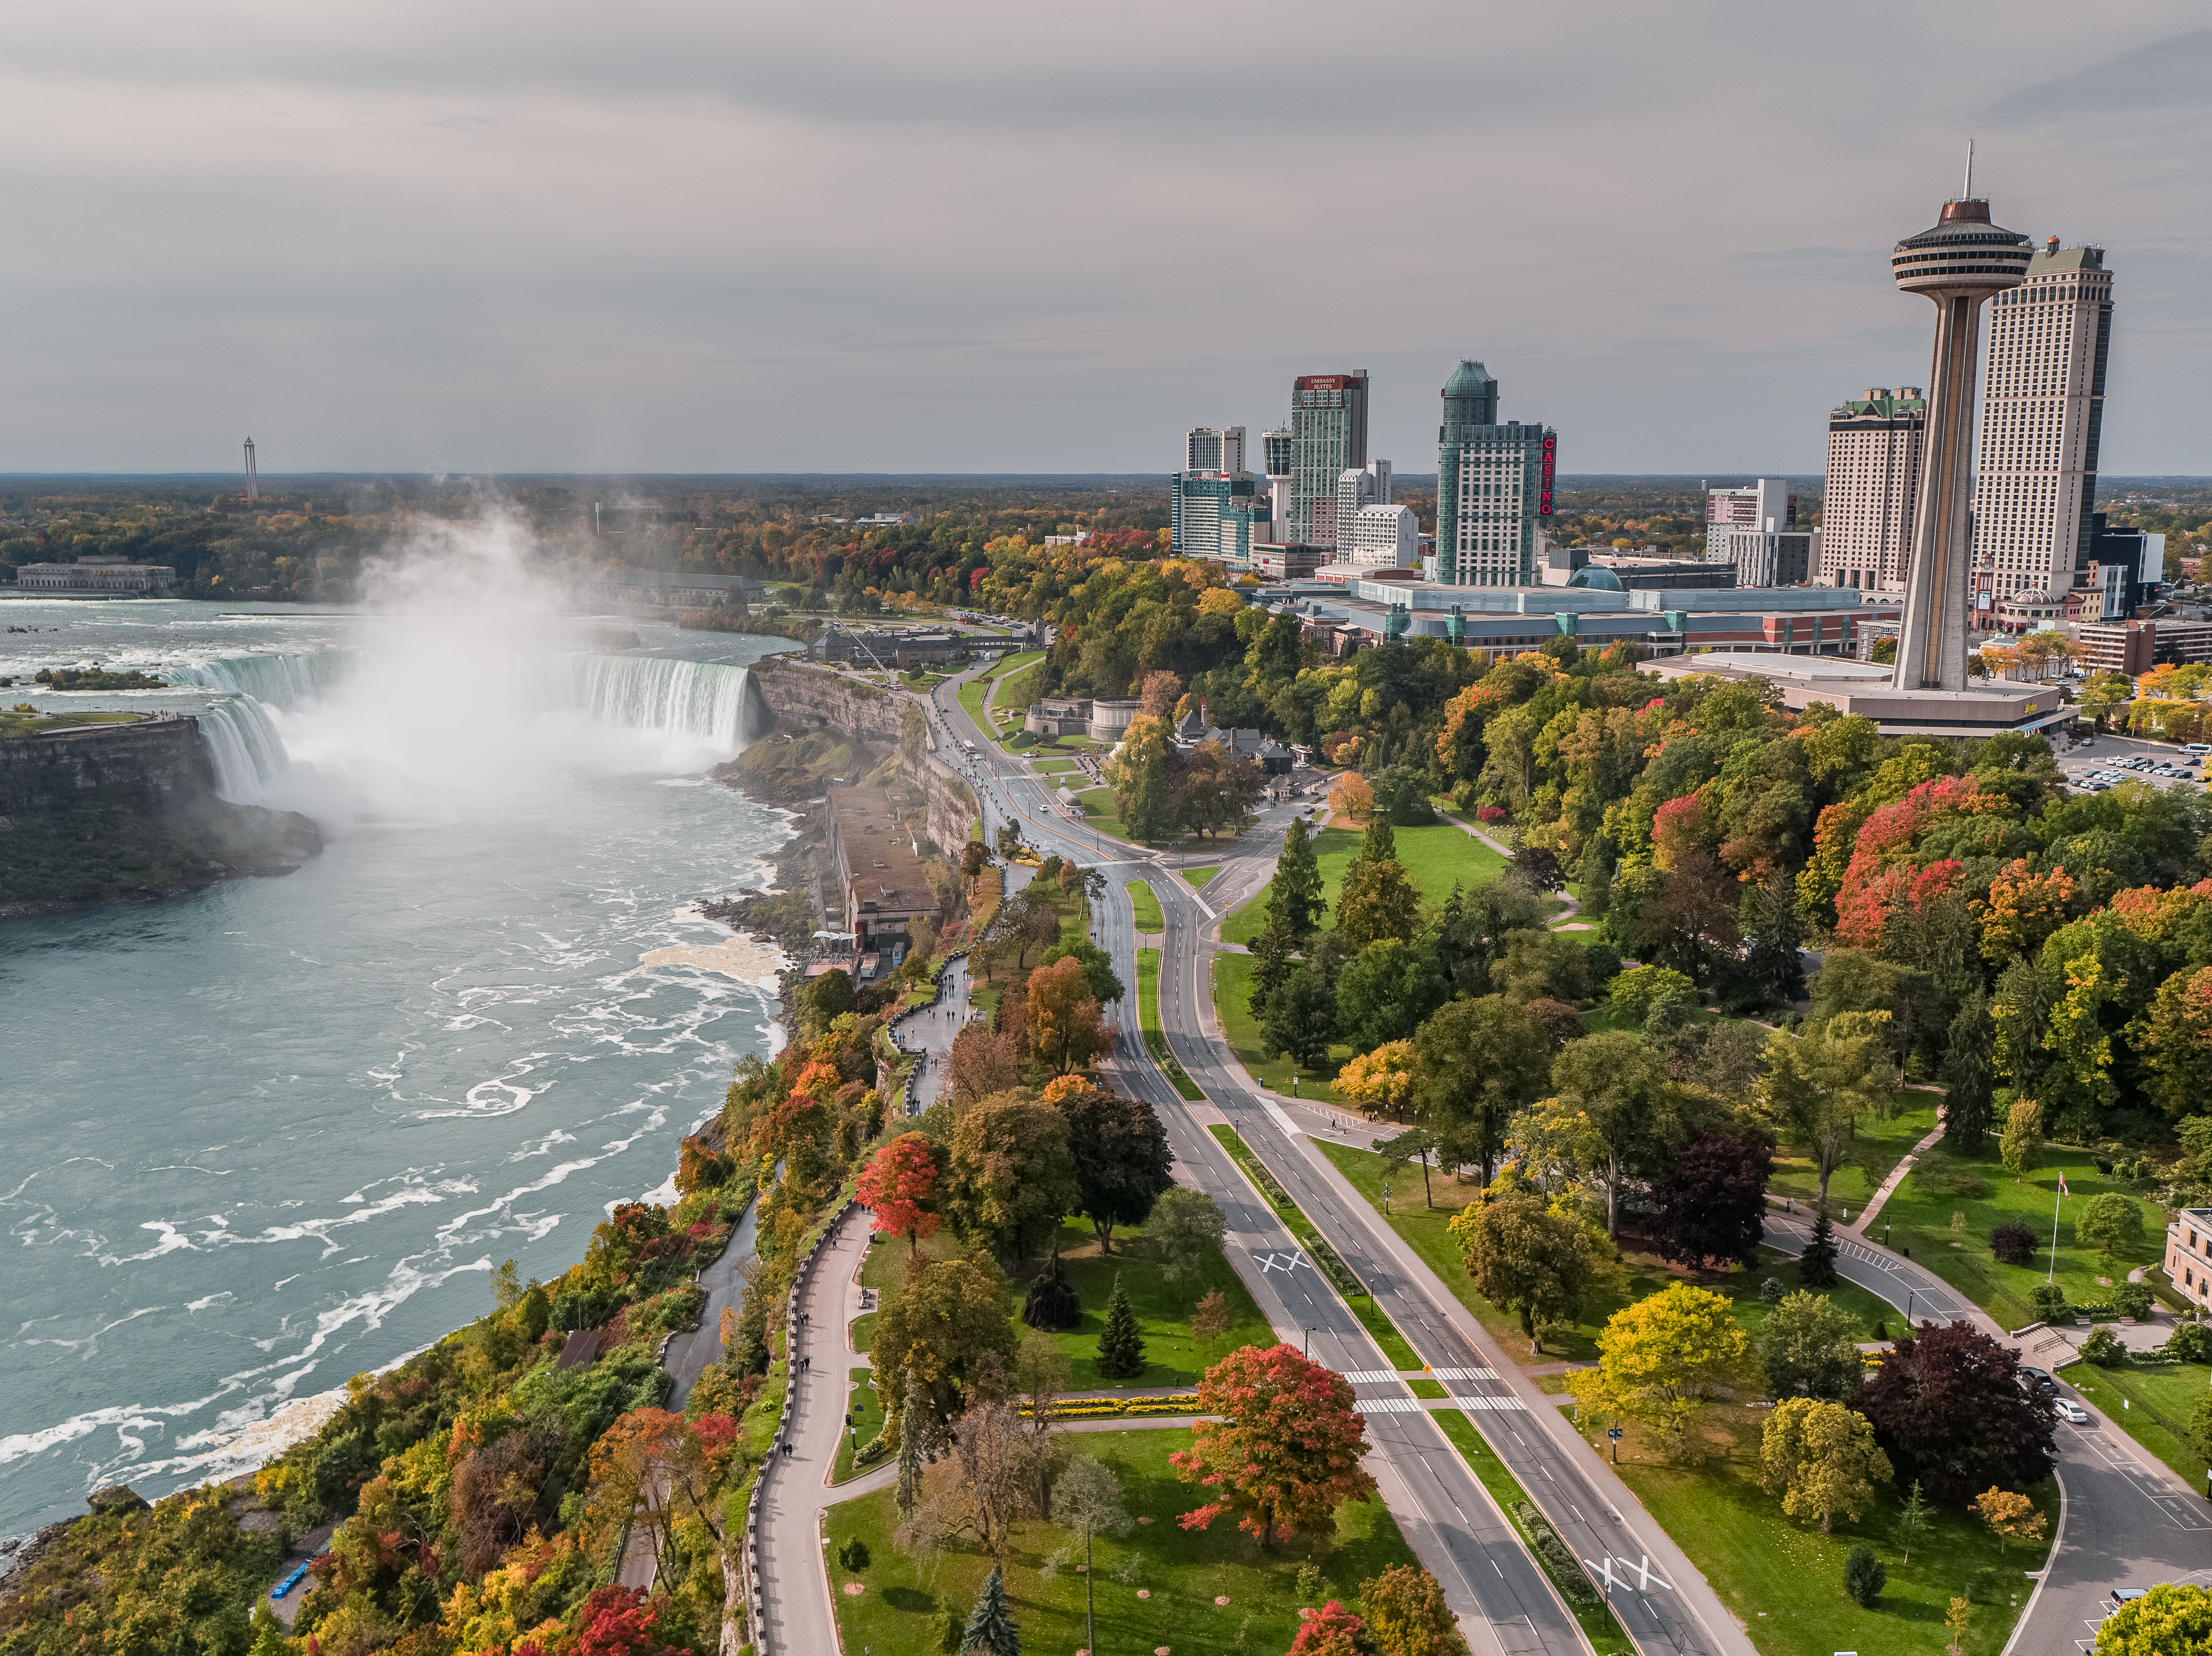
253	478
1959	264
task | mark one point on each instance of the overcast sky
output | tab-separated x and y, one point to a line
854	235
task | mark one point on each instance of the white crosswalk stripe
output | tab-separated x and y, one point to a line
1390	1406
1496	1405
1464	1374
1373	1376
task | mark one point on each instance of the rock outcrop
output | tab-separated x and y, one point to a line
109	812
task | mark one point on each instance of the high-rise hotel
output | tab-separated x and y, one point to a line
1875	443
1329	438
2035	486
1493	486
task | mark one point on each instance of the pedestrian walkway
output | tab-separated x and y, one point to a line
929	1032
1897	1176
795	1483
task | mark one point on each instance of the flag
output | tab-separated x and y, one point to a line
2063	1190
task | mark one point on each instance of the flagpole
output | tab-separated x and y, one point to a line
2056	1196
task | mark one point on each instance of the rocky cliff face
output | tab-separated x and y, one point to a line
792	697
786	693
125	810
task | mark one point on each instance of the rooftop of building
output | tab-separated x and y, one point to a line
879	839
2050	257
1469	378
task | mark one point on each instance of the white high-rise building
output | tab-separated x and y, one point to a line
1275	451
1377	536
1874	444
1357	487
2035	486
1207	449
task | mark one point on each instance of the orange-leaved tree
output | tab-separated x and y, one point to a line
1064	1022
899	1188
1283	1453
1333	1630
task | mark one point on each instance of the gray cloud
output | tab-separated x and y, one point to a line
994	237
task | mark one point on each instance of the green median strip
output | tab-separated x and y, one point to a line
1148	1018
867	1415
1552	1555
1147	906
1326	1259
1197	877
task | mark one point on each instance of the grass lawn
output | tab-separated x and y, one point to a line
1784	1579
1146	906
1197	877
2161	1398
1232	997
1018	689
1918	1213
867	1414
1436	857
1172	1357
863	1331
1872	1155
1148	1020
904	1602
1053	767
1098	808
1423	1230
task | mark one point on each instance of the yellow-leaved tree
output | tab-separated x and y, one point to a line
1820	1457
1663	1359
1381	1080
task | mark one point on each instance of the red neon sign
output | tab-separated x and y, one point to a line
1551	465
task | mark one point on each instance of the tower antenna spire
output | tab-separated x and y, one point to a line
1967	193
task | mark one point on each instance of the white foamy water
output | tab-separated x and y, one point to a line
273	1134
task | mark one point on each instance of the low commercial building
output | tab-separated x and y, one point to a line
97	578
1762	557
1282	561
2189	1254
1594	609
879	850
1866	689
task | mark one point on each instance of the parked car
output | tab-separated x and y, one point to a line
2069	1411
2038	1381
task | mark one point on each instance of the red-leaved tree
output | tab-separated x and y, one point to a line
618	1621
1333	1630
1284	1453
899	1188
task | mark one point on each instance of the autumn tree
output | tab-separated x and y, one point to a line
1376	900
1119	1151
1209	1318
2170	1617
1282	1451
1012	1175
1526	1259
1809	1348
1350	796
1333	1630
1947	1408
982	1063
1065	1024
1820	1457
1381	1080
2177	1043
936	1329
898	1187
2011	1516
1711	1196
2021	1147
1479	1063
1406	1613
1661	1360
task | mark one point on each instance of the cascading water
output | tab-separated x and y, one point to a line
702	699
242	742
279	680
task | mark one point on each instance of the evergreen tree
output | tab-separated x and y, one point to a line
1380	845
1595	875
1912	1524
1816	1266
913	1431
1294	903
991	1630
1271	964
1052	1303
1863	1576
1771	963
1969	1079
1121	1348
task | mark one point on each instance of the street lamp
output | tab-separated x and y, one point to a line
1386	1196
1308	1342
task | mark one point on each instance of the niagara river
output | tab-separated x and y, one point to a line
274	1133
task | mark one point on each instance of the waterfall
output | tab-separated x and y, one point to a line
701	699
244	747
279	681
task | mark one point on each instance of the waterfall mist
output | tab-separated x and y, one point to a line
460	694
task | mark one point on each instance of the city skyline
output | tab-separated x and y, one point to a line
697	245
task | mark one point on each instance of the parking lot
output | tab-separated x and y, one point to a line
2102	761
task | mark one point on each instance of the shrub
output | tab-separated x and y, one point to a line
2189	1343
2104	1349
2133	1300
1863	1576
1770	1292
2048	1301
854	1555
2013	1243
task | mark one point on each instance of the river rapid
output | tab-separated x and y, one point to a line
269	1135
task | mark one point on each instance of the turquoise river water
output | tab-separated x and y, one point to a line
267	1136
